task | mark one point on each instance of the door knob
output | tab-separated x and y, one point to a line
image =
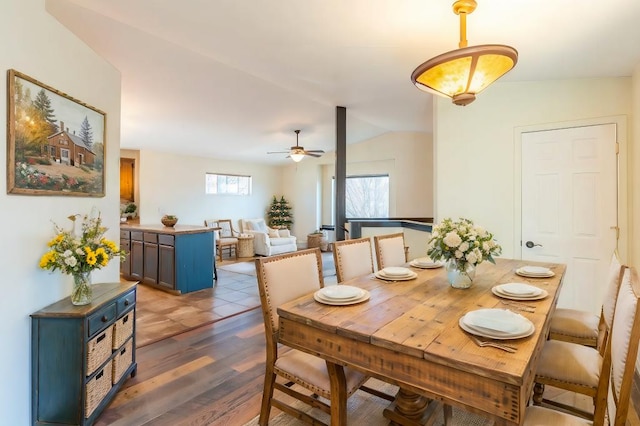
531	244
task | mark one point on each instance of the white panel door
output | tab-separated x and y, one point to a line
569	207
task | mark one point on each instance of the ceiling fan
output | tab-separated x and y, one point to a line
297	152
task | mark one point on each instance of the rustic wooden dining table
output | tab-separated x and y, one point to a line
408	334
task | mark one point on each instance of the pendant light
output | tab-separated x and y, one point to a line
463	73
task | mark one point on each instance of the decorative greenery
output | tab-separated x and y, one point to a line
280	216
462	242
73	254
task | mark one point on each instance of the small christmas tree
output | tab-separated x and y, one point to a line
279	213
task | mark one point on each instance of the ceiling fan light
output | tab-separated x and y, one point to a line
463	73
297	157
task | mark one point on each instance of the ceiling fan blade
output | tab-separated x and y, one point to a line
278	152
311	154
317	151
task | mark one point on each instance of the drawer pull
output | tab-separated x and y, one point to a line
104	318
126	303
101	338
125	319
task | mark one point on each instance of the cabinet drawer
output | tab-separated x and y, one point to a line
99	349
136	235
97	388
125	235
125	303
101	319
122	361
150	237
167	240
123	329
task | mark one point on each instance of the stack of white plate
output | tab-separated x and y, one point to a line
519	291
341	295
396	273
535	272
496	324
425	263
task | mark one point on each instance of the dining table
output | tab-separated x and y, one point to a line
409	333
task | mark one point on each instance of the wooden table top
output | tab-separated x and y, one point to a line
408	333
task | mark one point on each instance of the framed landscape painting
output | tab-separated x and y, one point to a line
55	143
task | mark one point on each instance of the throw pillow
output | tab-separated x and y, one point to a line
285	233
259	225
273	233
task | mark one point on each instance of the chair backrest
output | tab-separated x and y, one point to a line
614	278
353	258
226	228
286	277
625	336
390	250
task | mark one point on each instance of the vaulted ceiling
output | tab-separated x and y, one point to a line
233	79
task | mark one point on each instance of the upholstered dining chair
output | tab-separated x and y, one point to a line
282	278
353	258
226	236
611	374
390	250
585	328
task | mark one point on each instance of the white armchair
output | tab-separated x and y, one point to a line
268	241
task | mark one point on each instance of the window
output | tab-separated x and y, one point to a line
227	184
367	196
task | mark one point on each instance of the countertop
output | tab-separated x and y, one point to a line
177	229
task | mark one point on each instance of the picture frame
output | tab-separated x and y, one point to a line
55	143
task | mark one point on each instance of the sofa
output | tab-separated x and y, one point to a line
268	241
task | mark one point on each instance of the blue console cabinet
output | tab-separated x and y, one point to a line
81	355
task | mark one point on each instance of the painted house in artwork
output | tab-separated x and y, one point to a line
68	148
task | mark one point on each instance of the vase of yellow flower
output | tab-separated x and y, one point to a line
78	256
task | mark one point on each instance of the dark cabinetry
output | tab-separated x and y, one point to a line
81	355
179	259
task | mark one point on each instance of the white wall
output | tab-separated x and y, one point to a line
475	145
406	156
35	44
173	184
634	178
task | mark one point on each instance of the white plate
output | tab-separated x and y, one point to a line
502	322
518	289
318	297
379	274
523	272
535	270
396	271
468	329
340	292
542	295
417	263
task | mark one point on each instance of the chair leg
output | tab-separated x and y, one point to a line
267	395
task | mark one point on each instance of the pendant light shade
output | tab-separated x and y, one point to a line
461	74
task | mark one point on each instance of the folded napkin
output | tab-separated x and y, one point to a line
519	289
395	271
535	270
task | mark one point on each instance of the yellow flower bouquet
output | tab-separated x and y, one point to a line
79	255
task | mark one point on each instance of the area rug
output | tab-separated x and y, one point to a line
366	409
249	268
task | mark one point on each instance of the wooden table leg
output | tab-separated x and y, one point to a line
338	394
411	409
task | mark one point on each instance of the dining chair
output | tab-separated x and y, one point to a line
353	258
390	250
585	328
282	278
226	236
611	374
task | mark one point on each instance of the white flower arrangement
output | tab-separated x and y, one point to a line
463	243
